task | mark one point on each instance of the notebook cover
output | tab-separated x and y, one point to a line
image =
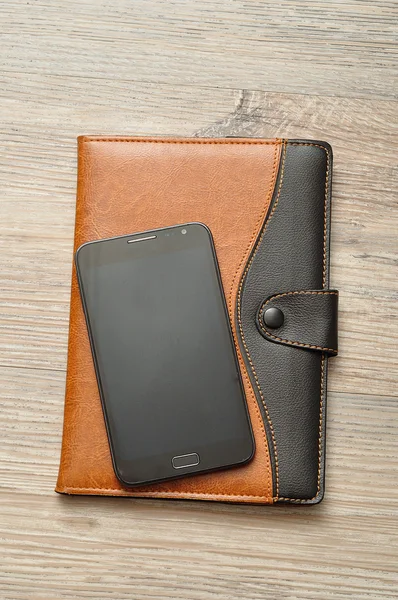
267	204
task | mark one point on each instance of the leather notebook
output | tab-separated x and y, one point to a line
267	204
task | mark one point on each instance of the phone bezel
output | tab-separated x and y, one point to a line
224	449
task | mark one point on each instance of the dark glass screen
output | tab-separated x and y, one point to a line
165	360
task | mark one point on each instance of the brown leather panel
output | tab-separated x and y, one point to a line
128	185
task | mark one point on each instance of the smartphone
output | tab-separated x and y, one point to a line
167	371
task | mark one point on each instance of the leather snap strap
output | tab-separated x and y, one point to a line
304	319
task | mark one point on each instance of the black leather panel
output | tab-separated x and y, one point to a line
291	253
309	320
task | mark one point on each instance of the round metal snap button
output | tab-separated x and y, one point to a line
273	317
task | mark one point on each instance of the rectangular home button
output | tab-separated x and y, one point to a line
185	460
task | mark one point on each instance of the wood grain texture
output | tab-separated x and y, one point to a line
69	547
333	47
323	70
38	170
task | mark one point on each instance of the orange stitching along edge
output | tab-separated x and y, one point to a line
301	293
286	341
285	142
241	327
276	143
243	366
88	139
166	493
296	500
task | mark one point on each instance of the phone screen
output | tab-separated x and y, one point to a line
166	365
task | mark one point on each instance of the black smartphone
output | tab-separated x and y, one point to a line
166	366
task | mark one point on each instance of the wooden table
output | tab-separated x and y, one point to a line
304	69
